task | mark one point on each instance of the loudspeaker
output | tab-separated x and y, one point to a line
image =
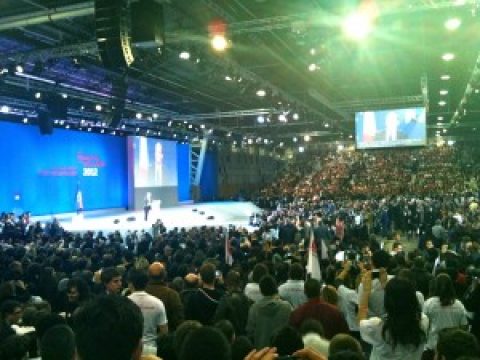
116	221
131	218
211	217
57	106
112	32
147	24
45	123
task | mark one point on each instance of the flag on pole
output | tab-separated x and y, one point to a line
79	199
228	250
313	266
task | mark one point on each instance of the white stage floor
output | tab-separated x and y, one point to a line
224	213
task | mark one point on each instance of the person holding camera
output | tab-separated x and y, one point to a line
380	260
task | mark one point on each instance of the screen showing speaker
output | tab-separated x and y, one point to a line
155	162
391	128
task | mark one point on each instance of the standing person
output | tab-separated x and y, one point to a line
111	280
203	303
153	311
268	314
147	204
443	310
157	286
401	333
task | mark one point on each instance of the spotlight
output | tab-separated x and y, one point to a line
19	69
281	144
139	116
170	123
313	51
219	43
228	78
65	96
295	139
102	131
260	119
453	24
326	125
38	95
312	67
261	93
98	107
448	56
295	116
155	116
282	118
357	26
202	126
301	149
25	120
306	138
184	55
442	103
4	109
250	141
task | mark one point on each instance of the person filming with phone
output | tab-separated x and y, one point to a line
376	307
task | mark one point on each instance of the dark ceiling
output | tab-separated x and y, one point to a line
273	42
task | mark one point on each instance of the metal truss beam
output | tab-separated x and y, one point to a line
46	16
372	104
224	114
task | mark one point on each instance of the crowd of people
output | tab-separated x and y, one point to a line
229	293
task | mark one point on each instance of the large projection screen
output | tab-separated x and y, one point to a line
153	163
391	128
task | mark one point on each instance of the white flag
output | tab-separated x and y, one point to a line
313	266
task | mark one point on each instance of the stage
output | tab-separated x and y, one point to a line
189	215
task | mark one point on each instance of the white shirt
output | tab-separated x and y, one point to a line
293	291
442	317
376	299
371	332
154	315
347	304
252	291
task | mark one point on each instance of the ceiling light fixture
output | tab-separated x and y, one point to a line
453	24
312	67
442	103
184	55
261	93
448	56
219	43
357	26
443	92
445	77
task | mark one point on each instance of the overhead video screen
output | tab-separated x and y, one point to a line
391	128
155	162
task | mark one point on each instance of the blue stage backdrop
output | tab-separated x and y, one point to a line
43	174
